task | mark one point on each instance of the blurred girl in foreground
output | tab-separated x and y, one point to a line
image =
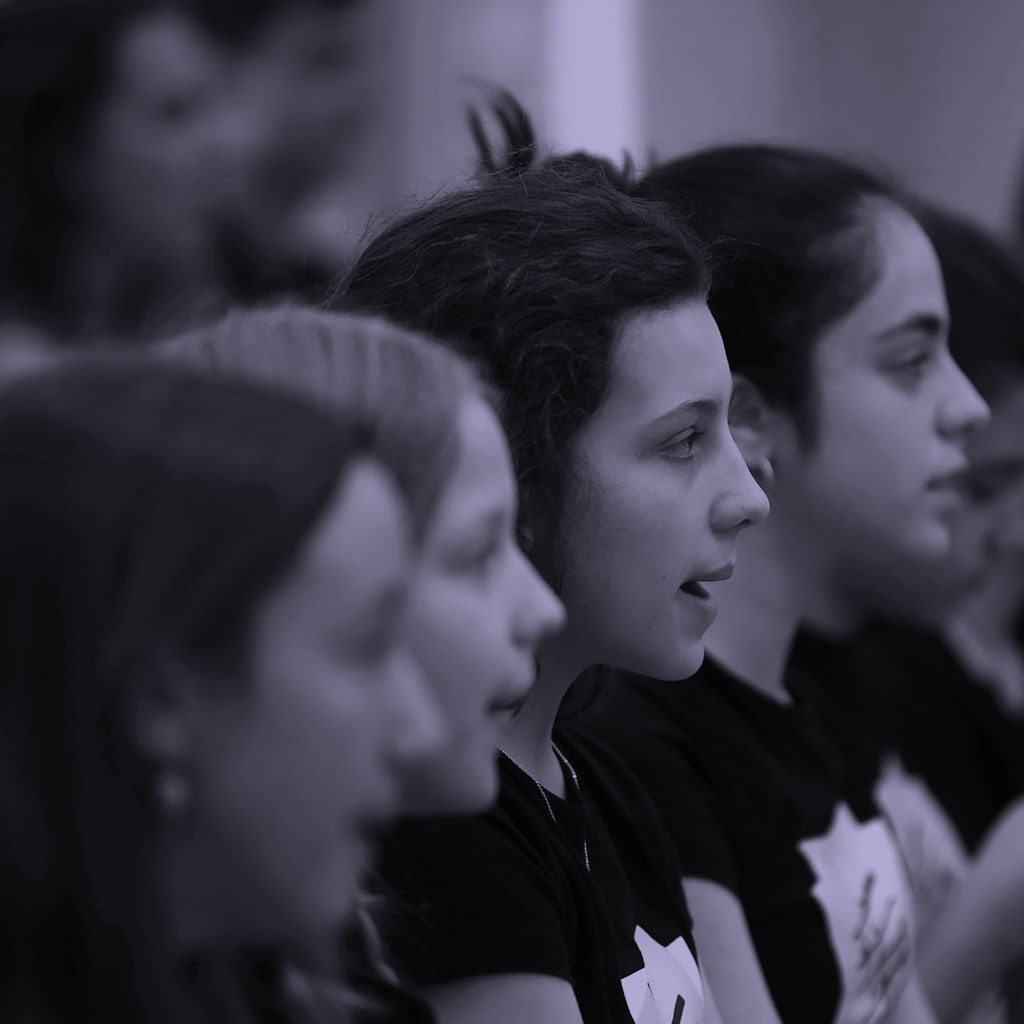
205	691
476	607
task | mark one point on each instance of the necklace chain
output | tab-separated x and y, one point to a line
544	793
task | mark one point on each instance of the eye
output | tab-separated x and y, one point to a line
481	559
374	644
176	109
682	448
912	367
918	361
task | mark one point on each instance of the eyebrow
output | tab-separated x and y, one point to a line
696	407
924	323
485	523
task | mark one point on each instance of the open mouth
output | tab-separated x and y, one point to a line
695	589
950	482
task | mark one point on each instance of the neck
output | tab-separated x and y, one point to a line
528	737
209	908
989	652
779	584
199	901
993	608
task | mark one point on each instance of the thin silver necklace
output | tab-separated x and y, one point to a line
544	793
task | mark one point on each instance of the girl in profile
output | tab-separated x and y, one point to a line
854	416
587	308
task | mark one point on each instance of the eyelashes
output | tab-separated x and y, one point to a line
682	449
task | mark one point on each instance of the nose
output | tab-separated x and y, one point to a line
413	721
740	501
539	612
961	409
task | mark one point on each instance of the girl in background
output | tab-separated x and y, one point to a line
850	410
941	651
116	170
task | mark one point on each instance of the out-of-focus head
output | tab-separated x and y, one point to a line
403	390
587	308
985	287
204	692
306	83
477	610
832	308
111	118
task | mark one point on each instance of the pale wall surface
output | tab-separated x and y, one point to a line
932	89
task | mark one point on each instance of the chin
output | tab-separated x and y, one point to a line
670	665
932	540
467	785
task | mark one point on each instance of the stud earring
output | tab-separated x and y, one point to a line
173	794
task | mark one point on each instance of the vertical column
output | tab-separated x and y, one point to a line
592	79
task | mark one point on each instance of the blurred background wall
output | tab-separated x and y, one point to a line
931	89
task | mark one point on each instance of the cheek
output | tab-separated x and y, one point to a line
452	631
878	435
282	793
305	742
631	535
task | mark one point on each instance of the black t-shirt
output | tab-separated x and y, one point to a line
374	998
525	889
947	758
758	801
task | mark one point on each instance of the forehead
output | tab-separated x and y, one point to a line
358	546
164	50
663	359
482	480
907	286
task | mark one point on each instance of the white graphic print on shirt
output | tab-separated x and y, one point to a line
864	895
668	988
935	856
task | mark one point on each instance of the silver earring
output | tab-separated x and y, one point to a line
173	793
764	473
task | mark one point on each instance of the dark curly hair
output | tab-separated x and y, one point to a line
791	233
532	273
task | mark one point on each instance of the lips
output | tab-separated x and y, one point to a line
507	704
513	698
952	480
694	586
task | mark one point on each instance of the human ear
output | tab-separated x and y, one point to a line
163	714
751	422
